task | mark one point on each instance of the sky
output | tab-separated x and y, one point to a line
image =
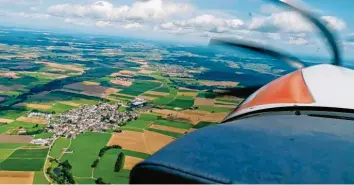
190	21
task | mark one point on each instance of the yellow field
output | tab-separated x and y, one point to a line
144	71
204	101
147	97
145	142
38	106
156	141
109	91
69	103
192	116
3	120
90	83
192	94
219	83
124	73
157	93
62	66
8	74
122	82
16	177
183	88
130	162
32	120
129	140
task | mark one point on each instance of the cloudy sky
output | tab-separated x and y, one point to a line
188	20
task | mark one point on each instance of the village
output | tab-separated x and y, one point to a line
94	118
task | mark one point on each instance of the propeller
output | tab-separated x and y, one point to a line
286	58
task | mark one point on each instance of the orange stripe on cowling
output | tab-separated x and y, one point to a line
290	88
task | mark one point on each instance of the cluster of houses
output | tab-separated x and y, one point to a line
41	115
95	118
170	68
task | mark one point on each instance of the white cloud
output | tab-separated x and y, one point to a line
205	22
297	41
334	22
79	22
27	15
103	23
291	22
34	8
141	10
134	25
283	21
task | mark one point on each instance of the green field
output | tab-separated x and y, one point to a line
182	103
162	89
105	169
148	117
141	124
203	124
39	178
12	114
85	150
55	96
59	144
29	153
122	109
166	99
164	132
136	154
214	109
204	94
119	96
25	160
4	128
175	124
139	87
5	153
152	95
11	145
22	164
60	108
44	135
84	180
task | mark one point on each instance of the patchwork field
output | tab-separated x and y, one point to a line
122	82
84	88
32	120
130	162
58	146
16	177
156	141
105	169
192	116
140	87
168	128
85	150
130	140
3	120
25	160
220	83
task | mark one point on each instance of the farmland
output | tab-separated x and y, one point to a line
86	148
41	82
25	160
59	145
